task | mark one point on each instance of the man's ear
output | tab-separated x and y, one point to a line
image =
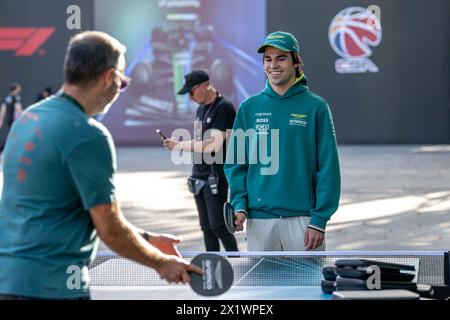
300	60
108	77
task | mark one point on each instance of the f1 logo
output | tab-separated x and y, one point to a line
24	41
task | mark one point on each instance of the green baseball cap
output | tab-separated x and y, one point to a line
284	41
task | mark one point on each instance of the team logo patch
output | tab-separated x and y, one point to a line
298	116
298	120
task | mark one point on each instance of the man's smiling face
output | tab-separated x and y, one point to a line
279	67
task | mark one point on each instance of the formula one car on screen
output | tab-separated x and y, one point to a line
184	44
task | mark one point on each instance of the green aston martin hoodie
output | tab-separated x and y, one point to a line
282	160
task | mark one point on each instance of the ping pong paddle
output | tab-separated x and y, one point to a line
217	275
229	217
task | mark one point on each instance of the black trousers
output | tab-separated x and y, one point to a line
4	131
212	223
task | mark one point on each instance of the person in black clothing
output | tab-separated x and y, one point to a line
215	116
9	111
47	92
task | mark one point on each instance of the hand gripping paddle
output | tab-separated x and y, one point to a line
229	217
217	275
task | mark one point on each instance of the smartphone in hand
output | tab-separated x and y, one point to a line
161	134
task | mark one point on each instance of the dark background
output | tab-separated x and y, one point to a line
44	68
408	100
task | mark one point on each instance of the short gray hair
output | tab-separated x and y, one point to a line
88	55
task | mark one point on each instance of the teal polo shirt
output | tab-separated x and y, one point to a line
58	163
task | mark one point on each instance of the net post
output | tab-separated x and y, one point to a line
447	268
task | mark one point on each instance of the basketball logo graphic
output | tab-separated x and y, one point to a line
352	34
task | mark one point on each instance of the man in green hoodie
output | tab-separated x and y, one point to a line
282	162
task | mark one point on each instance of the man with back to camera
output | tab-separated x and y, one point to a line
289	209
59	166
215	116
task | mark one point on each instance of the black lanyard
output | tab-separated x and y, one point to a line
64	95
210	108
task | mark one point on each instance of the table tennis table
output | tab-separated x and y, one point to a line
257	275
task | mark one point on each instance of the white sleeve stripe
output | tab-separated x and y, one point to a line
241	210
316	228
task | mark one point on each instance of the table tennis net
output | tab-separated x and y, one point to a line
272	268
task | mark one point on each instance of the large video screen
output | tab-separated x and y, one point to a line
165	40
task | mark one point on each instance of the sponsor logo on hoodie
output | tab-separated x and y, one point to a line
298	120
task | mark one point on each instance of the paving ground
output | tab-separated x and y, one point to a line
393	198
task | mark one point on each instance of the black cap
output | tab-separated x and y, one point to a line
192	79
